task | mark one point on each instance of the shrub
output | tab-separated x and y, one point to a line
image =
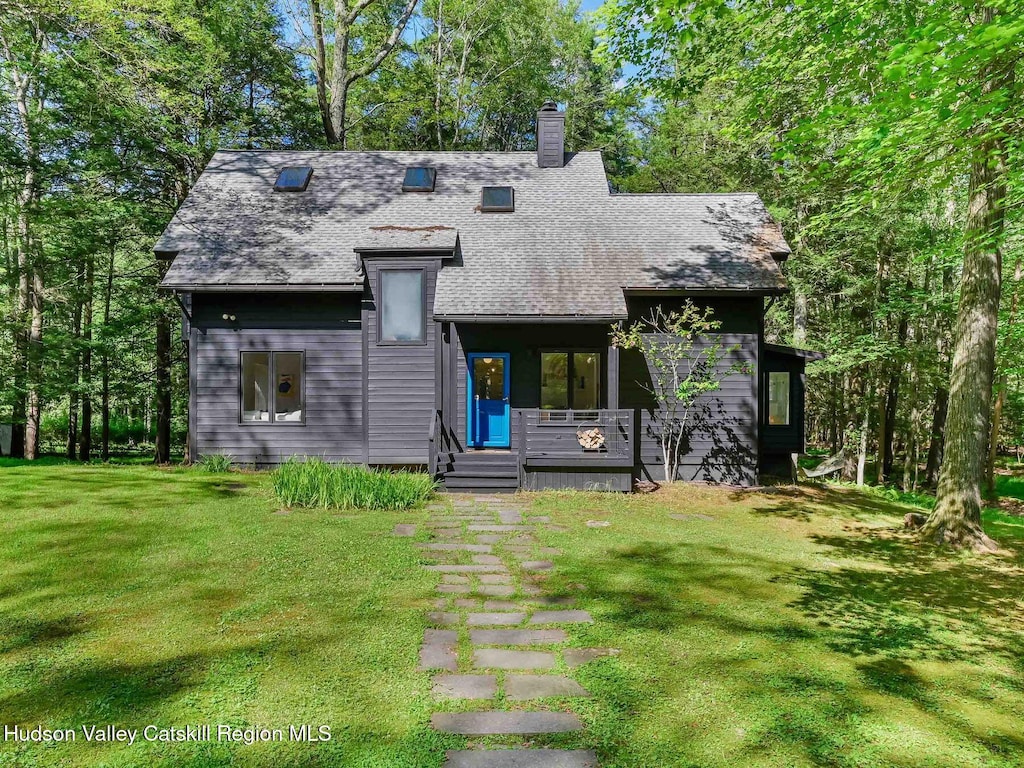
215	462
315	483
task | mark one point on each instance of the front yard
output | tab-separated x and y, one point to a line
759	629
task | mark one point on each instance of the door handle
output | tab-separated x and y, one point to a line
504	399
476	397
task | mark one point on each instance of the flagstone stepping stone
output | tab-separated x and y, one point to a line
495	590
522	540
500	658
539	519
466	686
538	565
454	589
446	533
443	523
467	568
547	600
487	559
501	605
561	617
575	657
454	578
443	617
598	523
523	687
445	547
438	650
517	636
512	516
405	529
484	723
529	589
495	578
521	758
483	619
498	528
464	602
488	538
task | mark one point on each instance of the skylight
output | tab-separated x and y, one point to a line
419	179
497	200
293	179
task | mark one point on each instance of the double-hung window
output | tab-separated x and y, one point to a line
402	310
570	380
272	385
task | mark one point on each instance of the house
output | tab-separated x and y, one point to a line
453	310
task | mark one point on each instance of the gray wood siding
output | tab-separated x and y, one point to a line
401	380
723	443
325	329
578	479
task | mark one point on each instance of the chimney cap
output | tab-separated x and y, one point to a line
549	106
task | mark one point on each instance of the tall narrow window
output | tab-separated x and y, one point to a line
272	386
402	310
570	380
554	380
778	398
256	386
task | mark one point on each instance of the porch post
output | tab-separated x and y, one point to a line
613	378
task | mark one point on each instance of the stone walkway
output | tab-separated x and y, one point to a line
497	637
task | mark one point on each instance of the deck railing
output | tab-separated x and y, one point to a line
552	438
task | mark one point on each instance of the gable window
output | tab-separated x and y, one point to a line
419	179
497	200
293	179
272	387
778	398
570	380
402	311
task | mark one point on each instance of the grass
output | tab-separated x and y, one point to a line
798	627
215	463
137	595
315	483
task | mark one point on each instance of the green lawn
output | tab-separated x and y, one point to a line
793	628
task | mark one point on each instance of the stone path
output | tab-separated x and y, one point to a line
498	640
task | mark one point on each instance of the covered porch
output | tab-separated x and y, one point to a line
530	405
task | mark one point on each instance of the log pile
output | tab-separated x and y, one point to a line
591	439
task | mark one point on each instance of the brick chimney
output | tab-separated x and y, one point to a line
550	136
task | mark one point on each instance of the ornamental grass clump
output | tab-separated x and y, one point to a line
315	483
215	462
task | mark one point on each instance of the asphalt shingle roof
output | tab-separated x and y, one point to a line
570	247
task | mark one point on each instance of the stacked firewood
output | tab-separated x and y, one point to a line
591	439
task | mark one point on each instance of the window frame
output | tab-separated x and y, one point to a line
272	405
768	400
602	374
411	188
381	342
278	187
510	208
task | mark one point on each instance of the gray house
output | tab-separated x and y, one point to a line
453	310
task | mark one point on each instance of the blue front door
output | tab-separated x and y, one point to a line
490	417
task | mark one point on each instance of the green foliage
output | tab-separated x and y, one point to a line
688	361
315	483
217	463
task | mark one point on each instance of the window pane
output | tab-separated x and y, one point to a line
586	381
778	398
288	386
497	199
293	179
489	377
255	386
419	180
402	316
554	380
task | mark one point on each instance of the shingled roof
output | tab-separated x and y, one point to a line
571	248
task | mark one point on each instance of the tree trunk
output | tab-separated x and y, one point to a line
799	317
85	448
105	395
35	368
997	415
938	435
76	330
163	389
862	452
956	518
